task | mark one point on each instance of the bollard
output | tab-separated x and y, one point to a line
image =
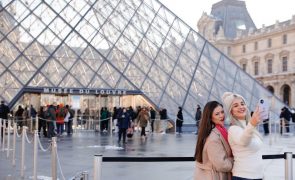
85	175
53	159
4	135
35	154
22	169
8	139
288	166
97	167
14	143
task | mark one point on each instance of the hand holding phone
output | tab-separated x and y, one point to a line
255	119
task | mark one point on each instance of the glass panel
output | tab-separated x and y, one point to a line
109	74
207	65
175	91
151	90
142	61
23	69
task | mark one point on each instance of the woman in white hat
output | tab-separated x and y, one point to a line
244	139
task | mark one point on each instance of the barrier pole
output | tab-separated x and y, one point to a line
8	139
270	131
35	154
36	122
175	132
4	135
1	131
14	143
111	126
288	166
22	172
97	167
53	159
31	124
85	175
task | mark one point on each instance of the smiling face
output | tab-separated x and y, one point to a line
218	116
239	109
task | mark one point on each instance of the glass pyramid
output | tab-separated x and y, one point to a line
117	44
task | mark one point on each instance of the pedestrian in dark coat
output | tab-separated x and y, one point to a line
179	120
124	120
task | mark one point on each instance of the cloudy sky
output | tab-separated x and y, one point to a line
262	11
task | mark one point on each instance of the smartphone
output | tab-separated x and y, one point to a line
263	109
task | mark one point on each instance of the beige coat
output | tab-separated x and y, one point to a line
217	161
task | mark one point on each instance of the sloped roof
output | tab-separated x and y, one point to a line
120	44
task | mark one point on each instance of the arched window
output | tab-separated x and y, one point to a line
271	89
286	93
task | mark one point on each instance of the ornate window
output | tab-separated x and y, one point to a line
256	68
256	46
244	48
285	39
244	67
271	89
284	56
269	66
269	43
284	63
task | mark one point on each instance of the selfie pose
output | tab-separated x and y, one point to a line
213	155
244	139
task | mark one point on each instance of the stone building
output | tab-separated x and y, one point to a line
267	53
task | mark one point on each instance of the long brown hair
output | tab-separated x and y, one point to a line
205	128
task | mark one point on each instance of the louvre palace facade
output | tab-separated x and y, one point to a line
267	54
94	53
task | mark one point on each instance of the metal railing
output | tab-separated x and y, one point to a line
99	159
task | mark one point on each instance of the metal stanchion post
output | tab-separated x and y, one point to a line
97	167
31	124
175	128
8	139
36	122
14	143
111	126
288	166
22	169
75	121
85	175
4	135
53	159
35	154
1	132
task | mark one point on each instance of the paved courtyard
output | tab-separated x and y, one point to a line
76	154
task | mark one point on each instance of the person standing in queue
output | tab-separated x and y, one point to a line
244	139
213	154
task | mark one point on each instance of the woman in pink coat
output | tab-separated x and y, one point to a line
213	155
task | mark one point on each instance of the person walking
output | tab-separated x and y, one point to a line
285	117
4	111
198	117
243	137
124	122
153	117
213	155
179	120
143	118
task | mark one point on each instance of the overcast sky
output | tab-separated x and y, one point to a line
262	11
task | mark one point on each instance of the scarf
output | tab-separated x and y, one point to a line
223	131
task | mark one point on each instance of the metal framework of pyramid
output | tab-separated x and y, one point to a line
119	44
